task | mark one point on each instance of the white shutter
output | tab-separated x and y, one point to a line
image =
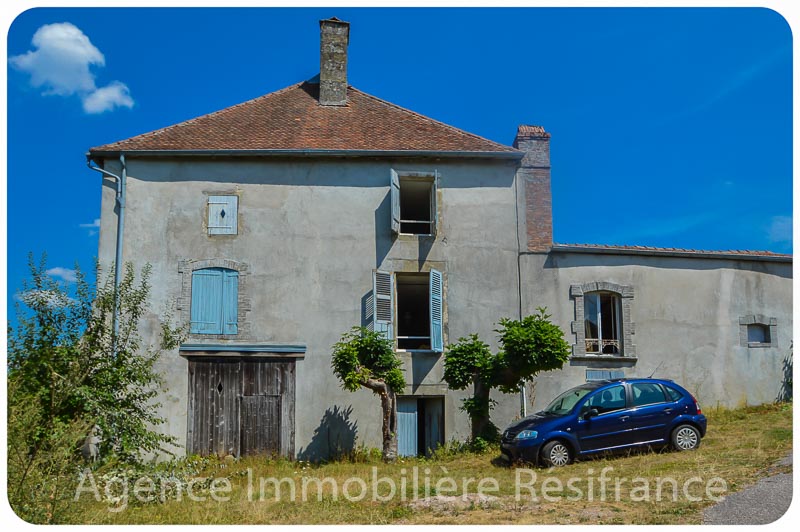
223	215
434	206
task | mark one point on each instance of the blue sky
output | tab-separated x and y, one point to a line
670	127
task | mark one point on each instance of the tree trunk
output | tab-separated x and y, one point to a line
389	409
480	420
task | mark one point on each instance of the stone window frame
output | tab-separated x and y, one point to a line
184	303
626	295
758	319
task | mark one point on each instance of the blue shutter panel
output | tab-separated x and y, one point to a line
230	302
383	303
395	197
206	310
437	339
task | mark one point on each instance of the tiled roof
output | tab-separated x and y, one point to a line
292	119
680	251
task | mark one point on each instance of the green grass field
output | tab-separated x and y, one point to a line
741	446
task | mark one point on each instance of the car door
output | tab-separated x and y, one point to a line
610	427
650	412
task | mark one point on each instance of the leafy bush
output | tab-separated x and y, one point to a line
69	371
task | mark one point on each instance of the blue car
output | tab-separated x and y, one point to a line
607	416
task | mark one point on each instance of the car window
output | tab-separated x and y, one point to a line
674	395
608	400
647	393
564	403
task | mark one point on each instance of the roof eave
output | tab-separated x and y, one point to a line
671	253
512	155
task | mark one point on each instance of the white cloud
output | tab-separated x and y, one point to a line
92	227
60	64
50	298
113	95
63	273
780	229
95	224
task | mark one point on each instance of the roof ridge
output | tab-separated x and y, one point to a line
679	250
429	119
190	121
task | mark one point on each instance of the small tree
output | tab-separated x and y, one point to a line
470	361
367	358
529	346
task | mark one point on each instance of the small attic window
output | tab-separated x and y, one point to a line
414	203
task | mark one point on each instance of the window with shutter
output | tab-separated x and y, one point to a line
223	215
214	308
413	196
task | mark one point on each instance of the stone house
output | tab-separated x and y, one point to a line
275	225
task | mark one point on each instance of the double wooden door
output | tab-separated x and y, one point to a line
241	406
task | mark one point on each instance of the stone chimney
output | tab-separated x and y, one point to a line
534	174
334	36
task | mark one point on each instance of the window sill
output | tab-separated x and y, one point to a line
757	345
603	360
417	351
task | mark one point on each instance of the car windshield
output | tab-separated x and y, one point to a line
564	403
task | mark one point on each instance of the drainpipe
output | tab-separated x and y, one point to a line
120	196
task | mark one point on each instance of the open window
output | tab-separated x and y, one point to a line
601	313
414	209
408	307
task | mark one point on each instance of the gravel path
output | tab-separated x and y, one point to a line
763	502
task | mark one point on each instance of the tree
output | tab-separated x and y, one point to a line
529	346
470	361
60	358
364	358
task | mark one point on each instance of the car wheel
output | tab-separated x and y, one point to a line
685	438
556	454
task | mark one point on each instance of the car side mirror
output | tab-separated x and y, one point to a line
590	413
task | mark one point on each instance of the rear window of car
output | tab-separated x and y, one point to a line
674	395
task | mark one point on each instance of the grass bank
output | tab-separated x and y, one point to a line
740	447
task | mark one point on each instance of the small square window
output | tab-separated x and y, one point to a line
757	333
223	214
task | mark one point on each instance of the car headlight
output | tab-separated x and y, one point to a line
527	435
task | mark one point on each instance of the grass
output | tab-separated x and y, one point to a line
741	446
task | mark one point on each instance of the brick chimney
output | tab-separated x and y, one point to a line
334	36
534	172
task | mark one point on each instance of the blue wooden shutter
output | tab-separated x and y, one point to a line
222	215
395	197
437	339
207	301
407	426
383	303
230	302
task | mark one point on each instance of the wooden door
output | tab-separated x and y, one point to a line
407	426
215	387
261	425
241	406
